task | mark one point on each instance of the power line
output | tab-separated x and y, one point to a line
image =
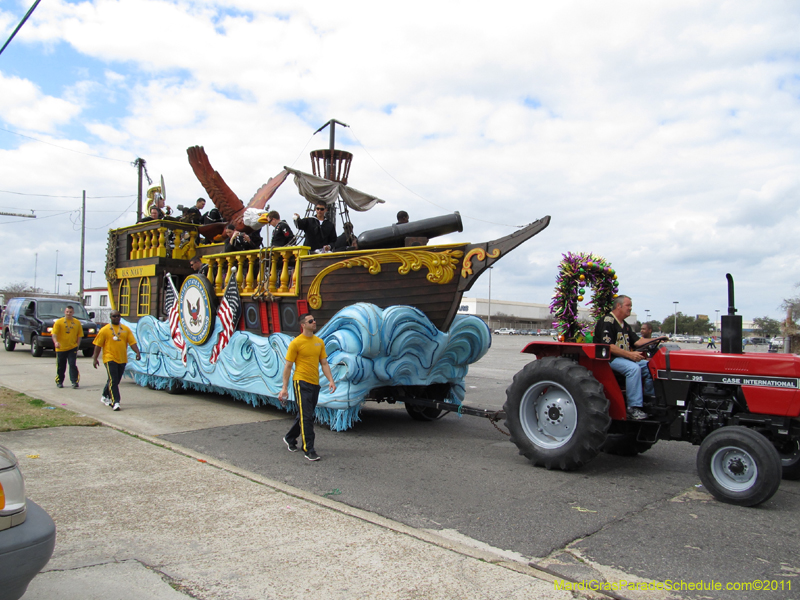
118	218
418	195
52	196
21	23
63	148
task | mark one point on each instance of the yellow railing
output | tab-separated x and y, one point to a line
271	271
152	239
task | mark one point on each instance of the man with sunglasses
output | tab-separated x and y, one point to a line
113	340
320	233
306	353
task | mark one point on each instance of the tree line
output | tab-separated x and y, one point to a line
688	325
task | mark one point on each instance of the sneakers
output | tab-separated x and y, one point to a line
116	406
636	413
75	386
292	446
312	456
105	400
59	385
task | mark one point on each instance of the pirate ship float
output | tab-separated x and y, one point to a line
387	311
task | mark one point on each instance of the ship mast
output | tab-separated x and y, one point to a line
333	165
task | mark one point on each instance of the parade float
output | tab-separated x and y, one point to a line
387	312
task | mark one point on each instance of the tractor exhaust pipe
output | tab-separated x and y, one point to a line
731	324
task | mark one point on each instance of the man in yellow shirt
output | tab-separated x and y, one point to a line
307	353
113	340
67	334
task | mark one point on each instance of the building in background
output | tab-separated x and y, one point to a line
96	300
517	315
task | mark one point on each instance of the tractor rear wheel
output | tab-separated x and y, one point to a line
739	466
557	413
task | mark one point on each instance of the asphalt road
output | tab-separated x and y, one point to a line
646	516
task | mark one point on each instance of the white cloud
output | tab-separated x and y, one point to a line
23	104
661	135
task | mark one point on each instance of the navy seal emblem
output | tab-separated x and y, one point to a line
197	308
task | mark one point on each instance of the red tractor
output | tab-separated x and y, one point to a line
741	409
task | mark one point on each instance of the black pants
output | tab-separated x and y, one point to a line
62	358
307	395
115	371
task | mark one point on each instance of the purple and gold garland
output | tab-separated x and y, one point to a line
575	273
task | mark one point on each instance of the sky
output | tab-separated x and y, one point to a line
662	136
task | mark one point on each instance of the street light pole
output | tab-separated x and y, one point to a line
647	314
716	329
69	289
675	317
93	272
490	299
58	281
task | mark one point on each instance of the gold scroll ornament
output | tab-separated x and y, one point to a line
441	267
478	253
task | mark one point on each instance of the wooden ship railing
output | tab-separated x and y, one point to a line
258	272
161	239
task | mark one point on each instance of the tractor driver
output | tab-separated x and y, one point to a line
613	330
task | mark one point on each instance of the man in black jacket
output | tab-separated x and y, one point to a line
320	234
282	233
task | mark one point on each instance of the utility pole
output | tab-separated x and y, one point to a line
139	164
83	239
489	315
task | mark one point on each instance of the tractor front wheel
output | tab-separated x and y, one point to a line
739	466
557	413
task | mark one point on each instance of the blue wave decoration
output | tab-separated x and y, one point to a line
368	347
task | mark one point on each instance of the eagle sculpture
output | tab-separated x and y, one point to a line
230	206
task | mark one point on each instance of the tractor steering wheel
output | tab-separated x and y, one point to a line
650	347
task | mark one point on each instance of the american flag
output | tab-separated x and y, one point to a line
229	311
172	308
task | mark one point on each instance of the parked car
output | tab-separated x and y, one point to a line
757	341
30	321
27	533
504	331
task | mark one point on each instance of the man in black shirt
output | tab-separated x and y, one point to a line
282	233
320	234
199	267
195	213
155	215
613	330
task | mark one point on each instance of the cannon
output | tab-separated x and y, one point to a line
395	236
